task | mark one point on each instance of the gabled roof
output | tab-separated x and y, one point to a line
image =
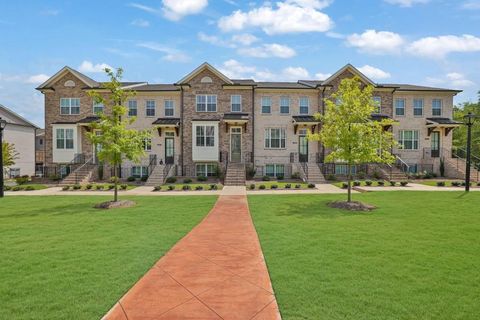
410	87
86	80
202	67
353	70
15	118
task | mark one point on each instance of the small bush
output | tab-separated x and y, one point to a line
311	185
288	186
356	183
393	183
66	188
123	186
171	180
403	183
88	186
331	177
262	187
111	186
344	185
29	188
198	188
298	186
186	187
201	178
131	179
77	187
273	186
99	187
440	183
21	180
456	183
252	186
157	188
16	188
368	183
144	179
478	184
266	178
213	187
380	183
114	179
170	188
295	175
280	177
187	180
377	175
7	188
464	183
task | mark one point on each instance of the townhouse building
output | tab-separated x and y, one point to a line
207	123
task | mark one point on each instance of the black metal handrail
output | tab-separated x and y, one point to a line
152	164
166	171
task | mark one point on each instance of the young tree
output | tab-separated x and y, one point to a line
9	154
117	141
348	130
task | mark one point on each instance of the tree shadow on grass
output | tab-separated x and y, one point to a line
318	209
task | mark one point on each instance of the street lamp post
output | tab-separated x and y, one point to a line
469	121
3	123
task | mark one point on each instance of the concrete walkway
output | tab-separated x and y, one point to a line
217	271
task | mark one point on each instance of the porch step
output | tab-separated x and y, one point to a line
458	166
314	174
82	175
156	178
235	175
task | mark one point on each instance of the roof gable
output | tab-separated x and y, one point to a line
13	117
86	80
352	69
204	66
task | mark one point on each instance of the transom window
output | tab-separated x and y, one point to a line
377	102
150	108
236	103
98	107
205	136
69	105
64	138
169	108
275	138
284	105
206	103
399	107
408	139
139	171
132	108
205	170
266	105
418	107
275	170
436	107
147	144
304	105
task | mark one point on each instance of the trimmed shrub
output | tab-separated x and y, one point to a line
213	187
77	187
170	188
456	183
331	177
311	185
273	186
144	179
157	188
66	188
368	183
187	180
16	188
403	183
88	186
266	178
440	183
356	183
123	186
113	179
252	186
393	183
288	186
262	187
131	179
464	183
198	188
344	185
280	177
202	178
21	180
99	187
186	187
29	188
171	180
298	186
380	183
111	186
7	188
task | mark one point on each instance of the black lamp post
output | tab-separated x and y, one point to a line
3	123
469	121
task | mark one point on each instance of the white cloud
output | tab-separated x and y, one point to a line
290	16
471	5
406	3
177	9
236	70
439	47
376	42
294	73
140	23
245	39
322	76
171	54
89	67
216	41
145	8
452	79
268	50
37	79
374	73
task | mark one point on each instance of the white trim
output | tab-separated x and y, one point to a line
199	69
353	70
241	141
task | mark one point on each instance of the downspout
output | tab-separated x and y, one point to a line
323	113
181	129
253	126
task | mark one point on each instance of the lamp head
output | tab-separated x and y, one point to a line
3	123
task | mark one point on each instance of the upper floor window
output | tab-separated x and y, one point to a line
147	144
266	105
64	138
169	108
275	138
205	136
69	105
436	107
304	105
206	103
284	105
418	107
98	107
150	108
236	101
408	139
132	108
399	107
377	102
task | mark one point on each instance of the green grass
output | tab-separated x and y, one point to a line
62	259
416	257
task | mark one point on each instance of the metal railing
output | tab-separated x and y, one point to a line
77	171
402	165
152	164
166	171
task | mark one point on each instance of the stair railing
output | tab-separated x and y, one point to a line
402	165
166	171
460	154
89	161
152	164
304	166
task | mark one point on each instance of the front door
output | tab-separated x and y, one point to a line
435	144
169	150
236	144
303	148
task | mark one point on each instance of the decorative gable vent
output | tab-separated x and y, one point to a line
206	80
69	84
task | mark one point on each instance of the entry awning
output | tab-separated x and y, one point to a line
380	117
439	123
304	121
165	123
87	120
235	118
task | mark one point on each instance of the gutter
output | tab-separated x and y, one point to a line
253	126
181	128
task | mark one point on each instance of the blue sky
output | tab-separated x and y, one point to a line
428	42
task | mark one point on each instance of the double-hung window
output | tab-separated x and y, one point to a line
205	136
150	108
284	105
206	103
266	105
377	102
132	108
98	107
169	108
436	107
418	107
275	138
147	144
236	103
69	106
64	138
139	171
205	170
399	107
275	170
304	105
408	139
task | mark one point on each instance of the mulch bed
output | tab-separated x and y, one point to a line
351	206
115	204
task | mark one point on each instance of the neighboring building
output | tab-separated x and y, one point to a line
207	121
21	133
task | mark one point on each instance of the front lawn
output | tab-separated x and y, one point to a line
416	257
62	259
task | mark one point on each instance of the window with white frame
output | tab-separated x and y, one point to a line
275	170
64	138
236	103
98	107
169	108
342	169
147	144
284	105
69	106
377	102
436	107
205	136
399	107
14	172
139	171
304	105
408	139
418	107
132	108
275	138
150	108
206	103
266	105
205	169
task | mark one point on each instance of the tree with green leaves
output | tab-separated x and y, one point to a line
9	154
118	142
460	134
348	130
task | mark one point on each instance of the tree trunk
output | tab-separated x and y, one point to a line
349	183
115	192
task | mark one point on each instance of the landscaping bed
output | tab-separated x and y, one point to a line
371	183
278	185
188	187
448	183
97	187
25	187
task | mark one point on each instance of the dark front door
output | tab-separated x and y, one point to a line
435	144
303	148
169	150
236	144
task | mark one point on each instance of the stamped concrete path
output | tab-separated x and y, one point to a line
217	271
